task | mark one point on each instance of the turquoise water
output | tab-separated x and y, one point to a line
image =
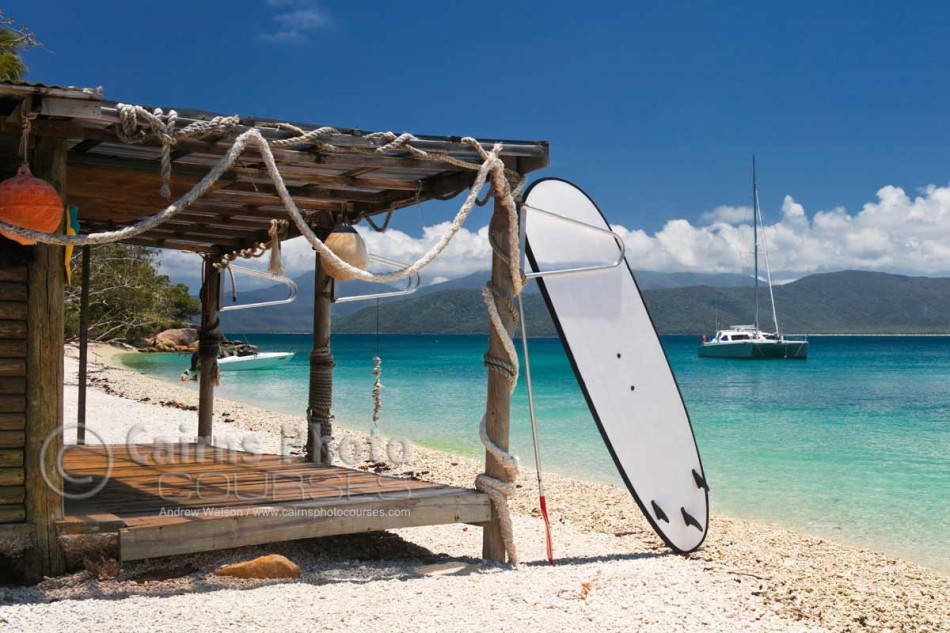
851	444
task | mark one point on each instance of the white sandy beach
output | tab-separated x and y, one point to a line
612	573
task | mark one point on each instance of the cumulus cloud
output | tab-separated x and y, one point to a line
896	232
294	21
727	214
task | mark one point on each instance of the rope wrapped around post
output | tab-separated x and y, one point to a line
500	491
321	401
209	342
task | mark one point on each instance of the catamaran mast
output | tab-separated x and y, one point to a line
755	238
768	271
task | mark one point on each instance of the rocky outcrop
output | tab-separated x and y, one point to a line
176	340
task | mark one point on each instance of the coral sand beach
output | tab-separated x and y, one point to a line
611	572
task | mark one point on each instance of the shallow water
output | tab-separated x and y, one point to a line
851	444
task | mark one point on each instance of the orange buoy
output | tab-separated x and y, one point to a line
346	244
29	202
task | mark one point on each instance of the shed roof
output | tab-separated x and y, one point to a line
115	184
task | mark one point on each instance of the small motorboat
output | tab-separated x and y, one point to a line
253	360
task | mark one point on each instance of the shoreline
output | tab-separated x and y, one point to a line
547	338
808	509
769	577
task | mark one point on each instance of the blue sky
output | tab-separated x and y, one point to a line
653	107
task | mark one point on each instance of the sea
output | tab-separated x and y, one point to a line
852	445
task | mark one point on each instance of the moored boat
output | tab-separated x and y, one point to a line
253	360
749	341
745	342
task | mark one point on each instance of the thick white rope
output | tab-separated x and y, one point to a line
253	138
500	491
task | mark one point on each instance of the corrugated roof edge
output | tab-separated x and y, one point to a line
74	92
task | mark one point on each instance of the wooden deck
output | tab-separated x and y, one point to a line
166	499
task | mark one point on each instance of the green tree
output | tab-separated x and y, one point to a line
13	39
128	299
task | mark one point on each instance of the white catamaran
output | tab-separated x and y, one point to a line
749	341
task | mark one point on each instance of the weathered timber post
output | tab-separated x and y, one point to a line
83	346
209	341
320	399
44	382
498	406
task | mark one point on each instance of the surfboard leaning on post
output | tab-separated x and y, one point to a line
617	357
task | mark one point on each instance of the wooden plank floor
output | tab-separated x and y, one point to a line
167	499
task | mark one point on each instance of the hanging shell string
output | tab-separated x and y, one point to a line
377	373
377	389
277	232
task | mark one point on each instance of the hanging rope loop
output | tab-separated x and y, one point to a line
26	125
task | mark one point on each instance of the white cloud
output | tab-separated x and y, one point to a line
896	232
294	21
728	215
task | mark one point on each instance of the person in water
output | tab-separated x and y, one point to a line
192	371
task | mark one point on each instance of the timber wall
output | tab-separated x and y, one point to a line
13	331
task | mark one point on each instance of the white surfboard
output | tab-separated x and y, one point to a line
620	365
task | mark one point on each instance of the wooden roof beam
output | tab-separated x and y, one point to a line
84	146
313	191
176	245
198	236
106	112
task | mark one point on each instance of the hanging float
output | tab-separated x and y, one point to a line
349	246
31	203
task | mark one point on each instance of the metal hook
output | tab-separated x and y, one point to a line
413	283
290	283
578	269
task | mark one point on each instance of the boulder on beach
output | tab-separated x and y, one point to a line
175	340
264	567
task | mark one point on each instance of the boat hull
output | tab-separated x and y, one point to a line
753	350
264	360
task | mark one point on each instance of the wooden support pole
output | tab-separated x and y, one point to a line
209	341
320	399
498	405
83	347
44	382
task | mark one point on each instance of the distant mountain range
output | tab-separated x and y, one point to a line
297	316
680	303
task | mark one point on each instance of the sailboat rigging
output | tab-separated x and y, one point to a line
749	341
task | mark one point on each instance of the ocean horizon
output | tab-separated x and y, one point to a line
850	445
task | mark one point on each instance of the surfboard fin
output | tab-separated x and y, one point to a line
658	511
700	482
690	520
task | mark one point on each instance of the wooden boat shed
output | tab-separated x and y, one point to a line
74	143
